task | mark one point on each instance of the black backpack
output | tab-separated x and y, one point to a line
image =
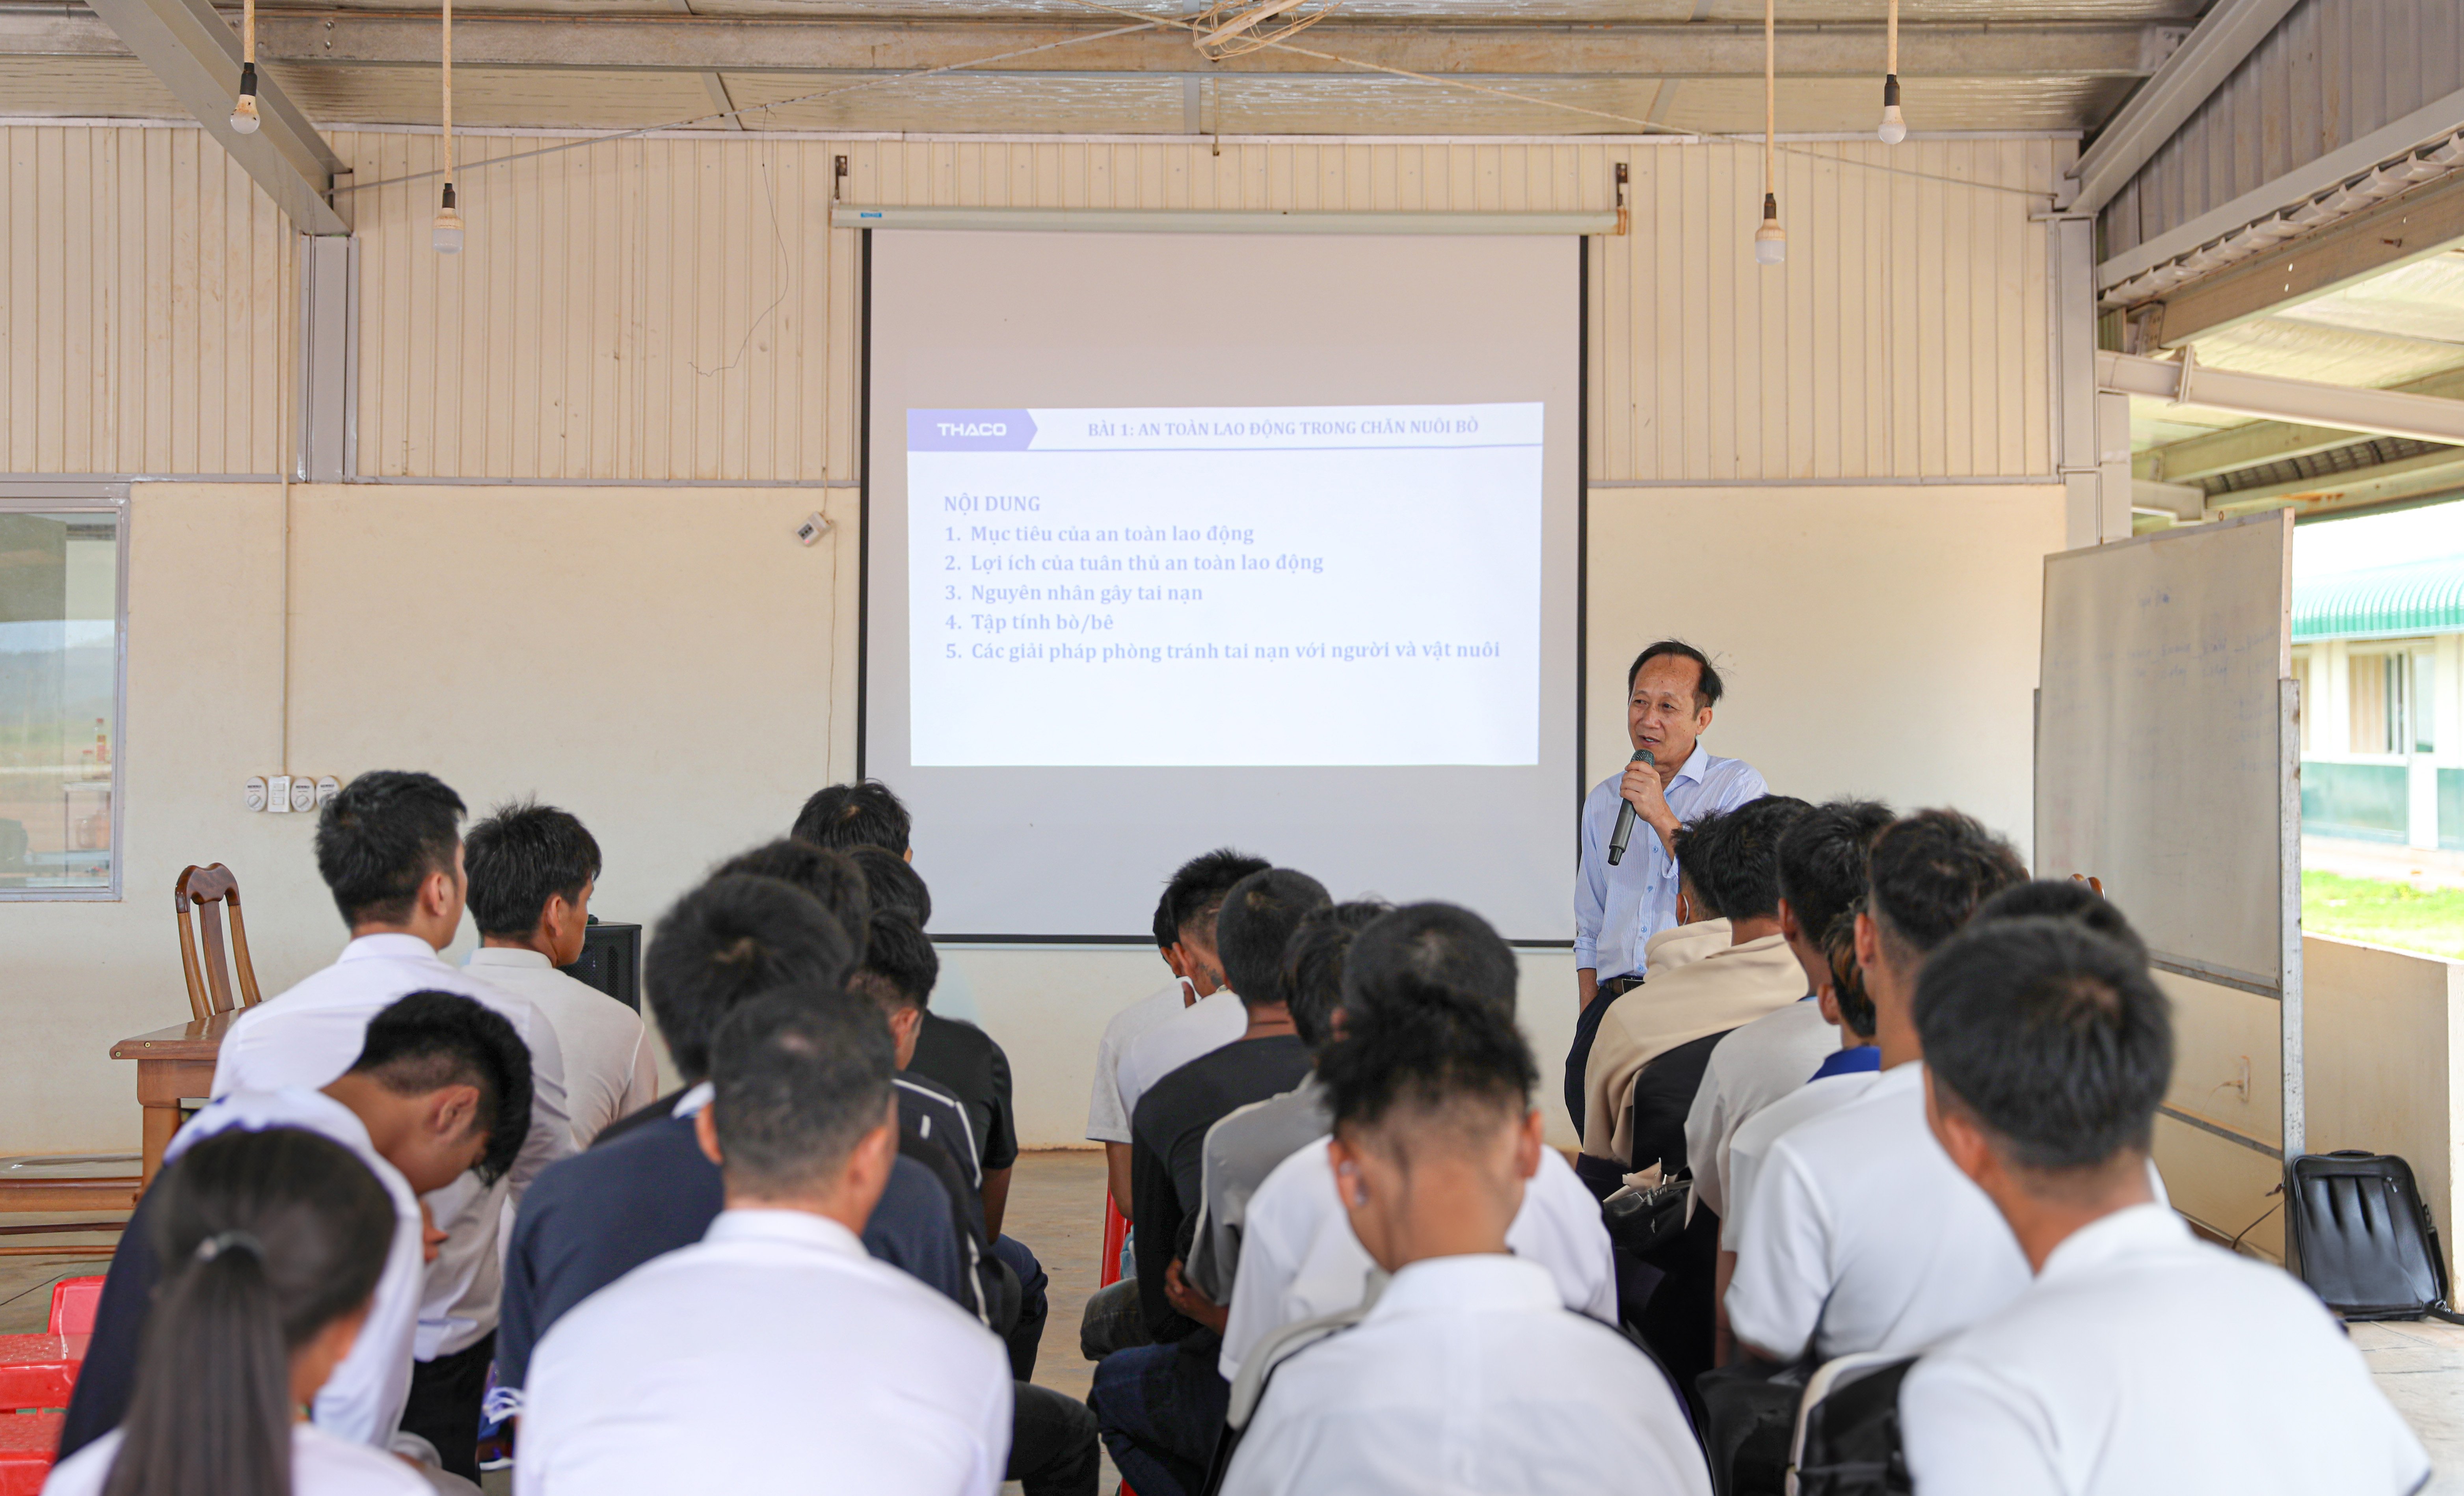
1848	1430
2363	1238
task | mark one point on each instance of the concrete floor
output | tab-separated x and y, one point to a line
1056	1207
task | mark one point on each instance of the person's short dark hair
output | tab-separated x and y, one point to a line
2062	898
902	957
1848	974
799	1076
380	838
1408	951
1708	687
1926	874
726	942
1822	860
830	876
893	882
2053	1038
1259	915
1167	930
1199	885
427	1041
1314	959
1450	1058
861	814
1732	858
522	855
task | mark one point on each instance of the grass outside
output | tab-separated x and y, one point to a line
2428	921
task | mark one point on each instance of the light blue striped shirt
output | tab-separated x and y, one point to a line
1617	909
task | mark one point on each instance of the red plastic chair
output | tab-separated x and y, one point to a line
26	1443
39	1371
1117	1230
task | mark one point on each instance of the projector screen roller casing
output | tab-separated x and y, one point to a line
1223	541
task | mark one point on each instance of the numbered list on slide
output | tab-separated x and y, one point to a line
1323	585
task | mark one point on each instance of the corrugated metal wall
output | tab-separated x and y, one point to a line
679	309
144	316
2331	72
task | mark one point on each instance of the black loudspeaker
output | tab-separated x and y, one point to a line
611	961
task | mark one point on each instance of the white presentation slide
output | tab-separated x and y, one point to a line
1250	587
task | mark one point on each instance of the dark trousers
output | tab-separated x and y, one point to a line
443	1407
1162	1409
1035	1305
1053	1448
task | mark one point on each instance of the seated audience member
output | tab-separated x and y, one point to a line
1218	1017
600	1213
1841	1079
1467	1374
389	850
843	817
893	882
1821	868
1730	866
1243	1148
1161	1404
275	1243
1696	934
792	1361
2047	1049
532	870
1860	1235
1299	1258
441	1087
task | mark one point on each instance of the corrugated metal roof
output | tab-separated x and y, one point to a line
2425	597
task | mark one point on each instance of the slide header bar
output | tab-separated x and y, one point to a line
1165	220
1244	429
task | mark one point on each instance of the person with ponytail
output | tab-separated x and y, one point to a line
273	1242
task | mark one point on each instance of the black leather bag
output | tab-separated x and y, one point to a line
1644	1220
2364	1238
1848	1430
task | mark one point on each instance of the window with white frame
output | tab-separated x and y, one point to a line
62	627
2393	689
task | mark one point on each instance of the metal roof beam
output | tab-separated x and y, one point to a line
2239	447
2229	33
677	41
196	53
2386	413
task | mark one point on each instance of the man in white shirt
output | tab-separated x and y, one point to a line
791	1361
533	869
1299	1256
1467	1374
1859	1236
1821	874
1217	1017
2139	1359
389	850
440	1082
1184	931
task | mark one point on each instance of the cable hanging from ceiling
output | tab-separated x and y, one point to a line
243	116
1770	240
448	233
1893	128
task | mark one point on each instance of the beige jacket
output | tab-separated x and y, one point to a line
1711	995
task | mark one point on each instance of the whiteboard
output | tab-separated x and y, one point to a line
2162	762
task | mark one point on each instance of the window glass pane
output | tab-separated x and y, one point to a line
2369	675
59	611
2425	702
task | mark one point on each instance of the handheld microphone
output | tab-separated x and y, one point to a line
1624	831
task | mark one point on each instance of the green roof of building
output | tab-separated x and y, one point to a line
2423	597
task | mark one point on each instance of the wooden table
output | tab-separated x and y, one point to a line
173	1065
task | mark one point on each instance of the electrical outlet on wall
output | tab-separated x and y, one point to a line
277	794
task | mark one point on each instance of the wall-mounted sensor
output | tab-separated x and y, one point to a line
813	528
253	793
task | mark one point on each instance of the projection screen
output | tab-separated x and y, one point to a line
1176	542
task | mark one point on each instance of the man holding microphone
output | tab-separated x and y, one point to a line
1670	691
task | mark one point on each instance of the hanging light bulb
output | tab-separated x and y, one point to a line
1770	240
243	117
446	237
1894	129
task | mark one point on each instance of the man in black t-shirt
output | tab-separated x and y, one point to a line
1161	1407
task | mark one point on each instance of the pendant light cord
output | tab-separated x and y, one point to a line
1771	90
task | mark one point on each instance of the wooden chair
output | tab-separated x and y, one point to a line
210	981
